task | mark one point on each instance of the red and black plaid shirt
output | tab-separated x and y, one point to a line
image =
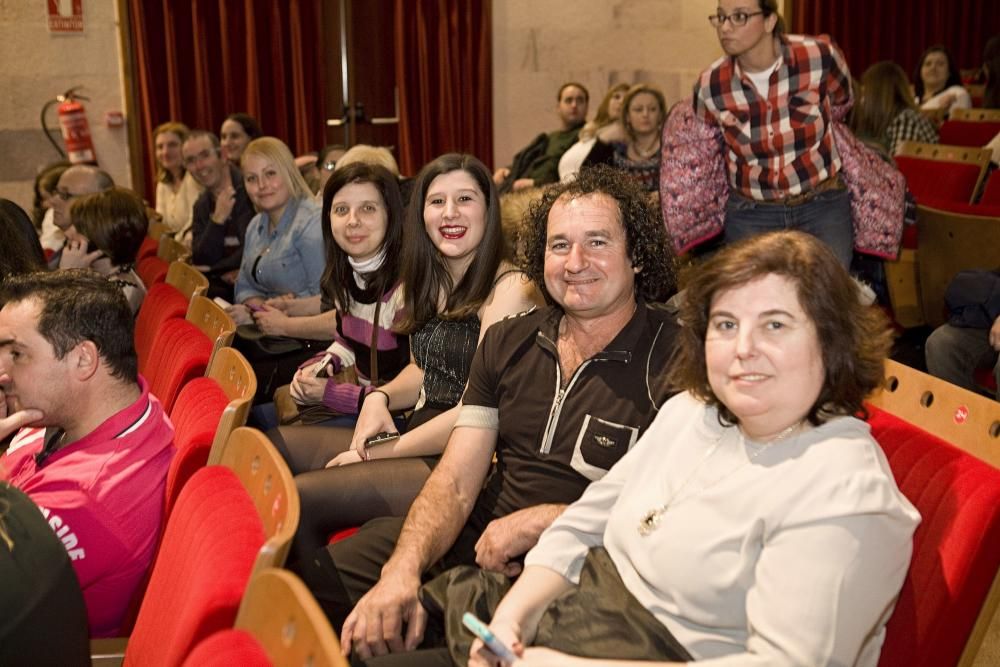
780	145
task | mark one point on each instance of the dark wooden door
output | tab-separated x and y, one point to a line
359	58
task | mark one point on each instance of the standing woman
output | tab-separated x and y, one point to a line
455	286
937	83
283	248
176	190
885	112
238	130
773	96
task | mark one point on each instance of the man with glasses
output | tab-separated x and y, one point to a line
773	98
75	182
221	213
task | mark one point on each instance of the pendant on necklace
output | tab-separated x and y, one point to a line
651	520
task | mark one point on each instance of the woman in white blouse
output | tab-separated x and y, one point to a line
176	190
756	520
937	83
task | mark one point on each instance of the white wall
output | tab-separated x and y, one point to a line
37	66
539	44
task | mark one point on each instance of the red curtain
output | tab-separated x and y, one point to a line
900	30
444	73
200	60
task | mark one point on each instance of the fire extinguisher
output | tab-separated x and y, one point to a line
74	126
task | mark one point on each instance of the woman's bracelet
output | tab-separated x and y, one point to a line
379	391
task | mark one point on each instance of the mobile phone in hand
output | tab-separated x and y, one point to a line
379	438
321	366
479	629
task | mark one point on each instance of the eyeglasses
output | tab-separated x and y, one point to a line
737	19
330	165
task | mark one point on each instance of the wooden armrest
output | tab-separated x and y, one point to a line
107	652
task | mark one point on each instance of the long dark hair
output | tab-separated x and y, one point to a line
21	251
338	273
425	274
954	78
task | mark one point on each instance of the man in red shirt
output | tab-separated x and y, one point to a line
772	95
96	453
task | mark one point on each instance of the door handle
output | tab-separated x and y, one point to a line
344	119
395	118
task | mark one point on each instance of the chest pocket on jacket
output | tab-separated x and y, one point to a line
600	444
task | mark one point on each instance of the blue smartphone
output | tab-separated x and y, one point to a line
479	629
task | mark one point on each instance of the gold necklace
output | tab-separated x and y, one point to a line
650	521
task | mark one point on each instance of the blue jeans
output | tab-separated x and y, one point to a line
827	216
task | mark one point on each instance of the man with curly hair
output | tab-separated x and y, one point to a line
558	394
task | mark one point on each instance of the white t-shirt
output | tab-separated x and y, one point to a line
962	99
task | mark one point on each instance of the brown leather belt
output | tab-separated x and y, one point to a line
832	183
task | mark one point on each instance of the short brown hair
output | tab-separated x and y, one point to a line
114	221
855	339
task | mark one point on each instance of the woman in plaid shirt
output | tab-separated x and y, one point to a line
772	95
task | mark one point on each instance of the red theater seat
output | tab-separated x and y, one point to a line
280	623
207	410
208	551
944	606
180	353
968	133
163	302
152	270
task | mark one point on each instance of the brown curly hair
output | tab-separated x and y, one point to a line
645	234
855	339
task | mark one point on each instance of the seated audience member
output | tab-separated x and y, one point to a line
77	181
220	215
45	191
326	162
105	233
558	394
644	112
238	130
176	189
538	163
95	458
991	72
885	112
361	302
786	536
383	157
307	166
937	83
971	338
606	126
456	284
45	618
21	252
283	246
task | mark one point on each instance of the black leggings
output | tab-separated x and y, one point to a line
333	499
